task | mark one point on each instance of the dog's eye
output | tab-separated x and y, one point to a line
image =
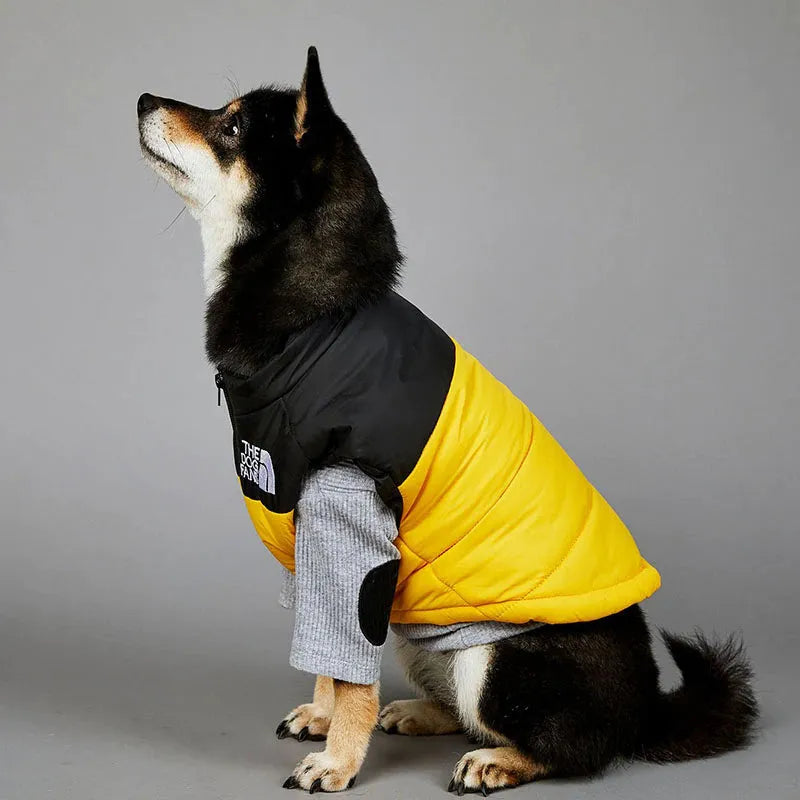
231	127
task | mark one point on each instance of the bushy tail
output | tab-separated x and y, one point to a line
713	711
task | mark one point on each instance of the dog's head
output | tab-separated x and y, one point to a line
289	209
245	159
255	164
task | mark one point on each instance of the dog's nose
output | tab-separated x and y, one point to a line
146	103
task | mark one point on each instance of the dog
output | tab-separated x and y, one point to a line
297	238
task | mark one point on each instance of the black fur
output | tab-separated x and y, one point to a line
322	238
578	697
713	711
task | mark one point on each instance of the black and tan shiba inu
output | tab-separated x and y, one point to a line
301	257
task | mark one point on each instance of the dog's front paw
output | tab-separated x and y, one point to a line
320	772
308	721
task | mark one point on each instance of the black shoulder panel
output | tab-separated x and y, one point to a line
377	394
368	389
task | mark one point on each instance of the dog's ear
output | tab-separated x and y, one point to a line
313	106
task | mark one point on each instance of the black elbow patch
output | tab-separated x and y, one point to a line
375	601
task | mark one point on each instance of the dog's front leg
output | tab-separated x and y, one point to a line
310	720
355	712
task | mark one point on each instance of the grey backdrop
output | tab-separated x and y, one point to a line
598	199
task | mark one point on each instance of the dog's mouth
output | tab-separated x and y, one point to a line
159	159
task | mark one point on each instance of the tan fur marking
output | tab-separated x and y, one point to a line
323	693
315	716
355	712
495	768
181	130
417	718
300	113
179	123
238	171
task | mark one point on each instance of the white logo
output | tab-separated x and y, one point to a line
256	466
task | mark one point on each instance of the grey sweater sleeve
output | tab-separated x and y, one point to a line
344	531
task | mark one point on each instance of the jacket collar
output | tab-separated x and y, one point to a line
287	367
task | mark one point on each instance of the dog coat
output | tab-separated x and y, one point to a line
495	521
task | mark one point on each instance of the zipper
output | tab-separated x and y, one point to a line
221	389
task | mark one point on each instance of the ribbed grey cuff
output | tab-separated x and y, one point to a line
324	664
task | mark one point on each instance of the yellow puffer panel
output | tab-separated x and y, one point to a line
500	524
275	530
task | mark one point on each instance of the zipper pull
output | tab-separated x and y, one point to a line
218	381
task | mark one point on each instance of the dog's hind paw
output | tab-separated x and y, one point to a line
307	721
493	768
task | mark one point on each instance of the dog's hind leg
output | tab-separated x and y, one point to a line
559	701
431	674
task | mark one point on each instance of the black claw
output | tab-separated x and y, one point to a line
282	731
351	783
303	735
484	789
460	788
290	783
451	785
316	786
